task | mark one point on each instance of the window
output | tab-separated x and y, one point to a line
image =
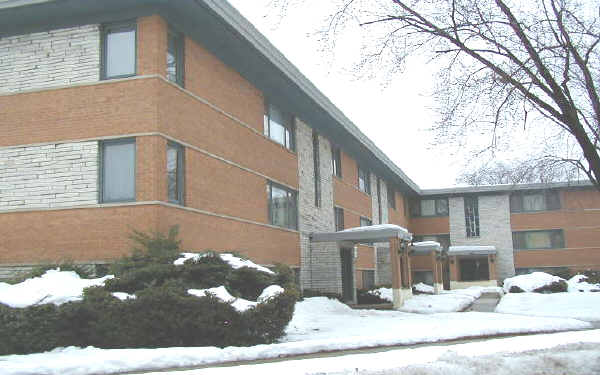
365	222
279	127
316	168
339	218
175	57
539	239
175	173
283	207
535	201
472	216
336	155
425	277
368	279
117	171
364	183
118	50
391	196
429	207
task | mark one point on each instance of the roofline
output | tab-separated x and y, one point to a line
5	4
236	20
506	188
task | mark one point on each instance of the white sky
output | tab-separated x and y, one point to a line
395	115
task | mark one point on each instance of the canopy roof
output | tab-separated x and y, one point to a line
425	247
471	250
371	233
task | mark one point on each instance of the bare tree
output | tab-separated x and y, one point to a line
506	63
519	172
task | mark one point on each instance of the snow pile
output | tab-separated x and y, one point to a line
578	283
530	282
54	286
123	296
424	288
234	262
583	306
383	293
239	304
315	327
446	301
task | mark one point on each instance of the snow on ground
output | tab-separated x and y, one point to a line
446	301
233	261
559	353
424	288
239	304
583	306
54	286
578	283
531	281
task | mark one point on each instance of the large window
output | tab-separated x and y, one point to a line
391	196
429	207
472	216
339	218
316	168
175	173
539	239
118	50
364	182
118	170
283	206
534	201
175	56
279	127
336	159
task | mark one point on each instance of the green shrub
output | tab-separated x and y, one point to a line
162	315
555	287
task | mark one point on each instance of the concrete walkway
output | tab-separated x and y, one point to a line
486	303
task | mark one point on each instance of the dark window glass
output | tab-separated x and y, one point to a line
368	279
119	55
441	207
336	154
316	168
175	173
539	239
279	127
118	170
391	196
531	201
364	183
474	269
472	216
339	218
283	207
175	56
429	207
365	222
425	277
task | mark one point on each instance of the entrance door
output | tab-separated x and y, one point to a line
347	275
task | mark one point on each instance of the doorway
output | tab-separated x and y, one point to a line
347	275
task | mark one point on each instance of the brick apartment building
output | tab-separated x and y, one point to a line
120	115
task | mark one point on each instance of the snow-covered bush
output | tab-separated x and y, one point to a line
538	282
369	297
161	311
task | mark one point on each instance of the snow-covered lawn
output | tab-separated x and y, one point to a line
559	353
583	306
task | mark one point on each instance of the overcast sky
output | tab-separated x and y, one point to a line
395	113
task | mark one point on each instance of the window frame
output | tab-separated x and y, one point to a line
369	221
338	217
336	160
289	142
367	182
294	193
179	56
517	207
101	172
108	28
517	242
474	232
391	196
416	211
180	176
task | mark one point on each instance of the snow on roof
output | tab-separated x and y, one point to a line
370	233
471	250
377	228
425	247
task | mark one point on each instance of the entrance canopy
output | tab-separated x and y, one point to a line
425	247
471	250
371	233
